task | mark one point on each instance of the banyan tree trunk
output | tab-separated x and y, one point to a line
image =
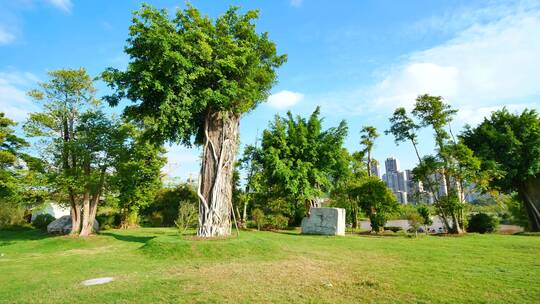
530	194
215	183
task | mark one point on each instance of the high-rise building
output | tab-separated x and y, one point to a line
391	164
402	181
396	180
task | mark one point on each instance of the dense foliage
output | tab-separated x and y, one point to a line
42	221
21	176
298	163
482	223
509	146
377	201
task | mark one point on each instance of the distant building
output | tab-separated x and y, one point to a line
401	197
396	180
391	164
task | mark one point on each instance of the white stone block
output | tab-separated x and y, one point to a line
324	221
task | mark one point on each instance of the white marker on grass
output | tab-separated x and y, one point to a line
97	281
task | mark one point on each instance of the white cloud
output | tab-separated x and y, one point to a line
474	115
296	3
5	36
13	99
64	5
486	65
284	99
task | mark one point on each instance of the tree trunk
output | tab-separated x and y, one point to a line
530	193
244	212
90	206
85	214
369	162
215	182
75	216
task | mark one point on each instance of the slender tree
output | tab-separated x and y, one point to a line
453	166
368	136
68	93
193	77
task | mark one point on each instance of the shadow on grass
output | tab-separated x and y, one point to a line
21	234
128	238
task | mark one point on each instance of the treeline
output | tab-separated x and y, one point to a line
85	159
299	165
189	80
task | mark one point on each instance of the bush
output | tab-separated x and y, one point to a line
42	221
108	221
258	218
275	222
482	223
163	211
11	214
187	216
251	224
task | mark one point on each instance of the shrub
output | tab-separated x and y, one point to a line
163	211
187	216
482	223
11	214
251	224
276	222
108	221
42	221
258	218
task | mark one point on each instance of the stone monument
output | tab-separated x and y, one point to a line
63	225
324	221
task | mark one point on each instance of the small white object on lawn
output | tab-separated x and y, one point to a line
97	281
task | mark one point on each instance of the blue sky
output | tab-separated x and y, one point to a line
358	60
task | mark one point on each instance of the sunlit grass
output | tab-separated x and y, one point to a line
159	265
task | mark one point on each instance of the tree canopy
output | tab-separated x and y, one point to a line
300	160
509	147
184	67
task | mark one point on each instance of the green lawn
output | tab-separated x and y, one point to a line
156	265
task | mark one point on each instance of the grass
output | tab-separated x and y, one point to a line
153	265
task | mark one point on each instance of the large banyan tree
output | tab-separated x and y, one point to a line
190	79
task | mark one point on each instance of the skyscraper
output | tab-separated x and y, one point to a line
395	179
391	164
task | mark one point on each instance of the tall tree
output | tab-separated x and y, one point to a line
65	96
509	147
99	142
367	139
453	166
300	160
193	77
